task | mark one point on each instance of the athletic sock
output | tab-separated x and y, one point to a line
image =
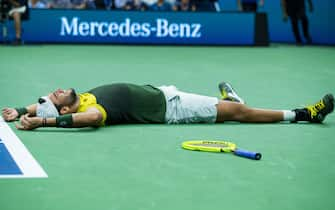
289	115
301	115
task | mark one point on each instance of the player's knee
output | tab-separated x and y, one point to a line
16	16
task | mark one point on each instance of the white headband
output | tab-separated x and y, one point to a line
45	108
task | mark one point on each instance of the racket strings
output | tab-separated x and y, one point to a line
212	145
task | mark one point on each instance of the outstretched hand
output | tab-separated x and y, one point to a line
29	123
9	114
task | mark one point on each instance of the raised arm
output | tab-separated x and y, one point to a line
11	114
92	117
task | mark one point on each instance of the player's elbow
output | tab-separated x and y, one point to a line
96	118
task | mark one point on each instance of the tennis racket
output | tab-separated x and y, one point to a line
219	146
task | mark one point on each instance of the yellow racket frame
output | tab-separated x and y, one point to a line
197	146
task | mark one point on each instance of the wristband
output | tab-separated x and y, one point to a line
64	121
21	111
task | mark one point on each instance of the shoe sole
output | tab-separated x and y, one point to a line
223	92
328	100
226	96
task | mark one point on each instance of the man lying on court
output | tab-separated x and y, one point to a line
128	103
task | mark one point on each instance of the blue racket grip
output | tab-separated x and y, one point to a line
248	154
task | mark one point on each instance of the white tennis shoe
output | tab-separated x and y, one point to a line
228	93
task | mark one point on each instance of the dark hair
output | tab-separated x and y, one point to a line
70	100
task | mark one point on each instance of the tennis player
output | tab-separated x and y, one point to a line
123	103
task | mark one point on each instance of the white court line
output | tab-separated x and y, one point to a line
23	158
